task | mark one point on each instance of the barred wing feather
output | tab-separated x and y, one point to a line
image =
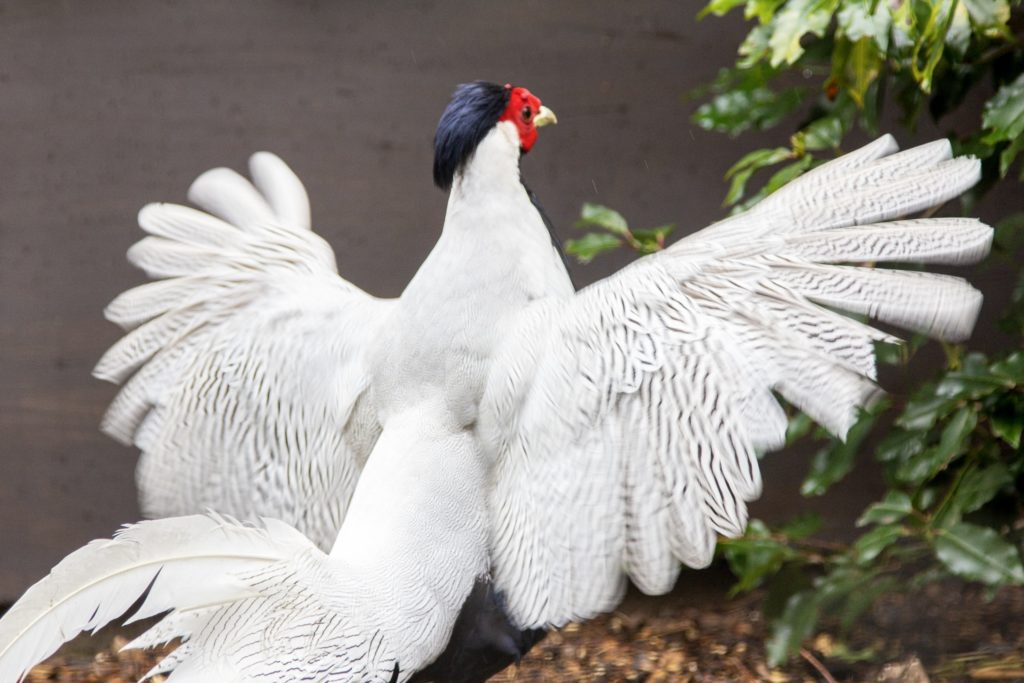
627	421
248	603
243	372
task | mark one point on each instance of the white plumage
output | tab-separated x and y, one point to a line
498	423
267	586
647	396
246	365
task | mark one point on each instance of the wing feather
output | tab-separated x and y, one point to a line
243	370
626	422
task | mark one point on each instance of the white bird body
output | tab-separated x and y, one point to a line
500	426
494	256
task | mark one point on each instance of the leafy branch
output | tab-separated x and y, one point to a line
952	452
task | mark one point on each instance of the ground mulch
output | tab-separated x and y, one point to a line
945	632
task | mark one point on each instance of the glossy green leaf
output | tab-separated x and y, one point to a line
930	44
952	443
754	556
799	426
865	19
895	506
1011	368
923	411
595	215
870	545
590	245
788	173
974	379
901	444
1003	116
1009	155
739	110
661	231
978	486
741	171
797	19
794	626
834	462
864	65
978	553
824	133
1008	428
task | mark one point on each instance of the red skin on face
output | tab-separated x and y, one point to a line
522	107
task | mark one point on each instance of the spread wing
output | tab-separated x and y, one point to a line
243	367
627	421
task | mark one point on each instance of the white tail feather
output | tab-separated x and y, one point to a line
185	562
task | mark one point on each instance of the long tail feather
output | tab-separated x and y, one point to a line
184	562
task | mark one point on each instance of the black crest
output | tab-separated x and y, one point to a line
475	109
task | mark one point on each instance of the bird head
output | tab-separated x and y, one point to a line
475	109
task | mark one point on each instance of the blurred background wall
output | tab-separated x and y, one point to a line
106	105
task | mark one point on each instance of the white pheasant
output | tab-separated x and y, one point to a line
490	427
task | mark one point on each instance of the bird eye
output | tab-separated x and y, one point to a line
527	113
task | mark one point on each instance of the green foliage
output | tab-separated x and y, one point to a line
952	452
1004	122
865	55
610	232
952	461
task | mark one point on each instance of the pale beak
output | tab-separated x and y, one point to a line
544	117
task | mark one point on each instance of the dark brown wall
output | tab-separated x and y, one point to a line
107	105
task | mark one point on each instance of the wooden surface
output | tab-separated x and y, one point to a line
108	105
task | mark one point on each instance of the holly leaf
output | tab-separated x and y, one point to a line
978	553
979	486
952	443
895	506
834	462
753	556
901	444
1003	116
870	545
794	626
1011	369
924	410
1008	428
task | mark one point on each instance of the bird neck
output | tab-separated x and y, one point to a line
491	175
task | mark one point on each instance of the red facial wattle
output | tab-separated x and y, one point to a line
523	107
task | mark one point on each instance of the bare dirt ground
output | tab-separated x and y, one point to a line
947	632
